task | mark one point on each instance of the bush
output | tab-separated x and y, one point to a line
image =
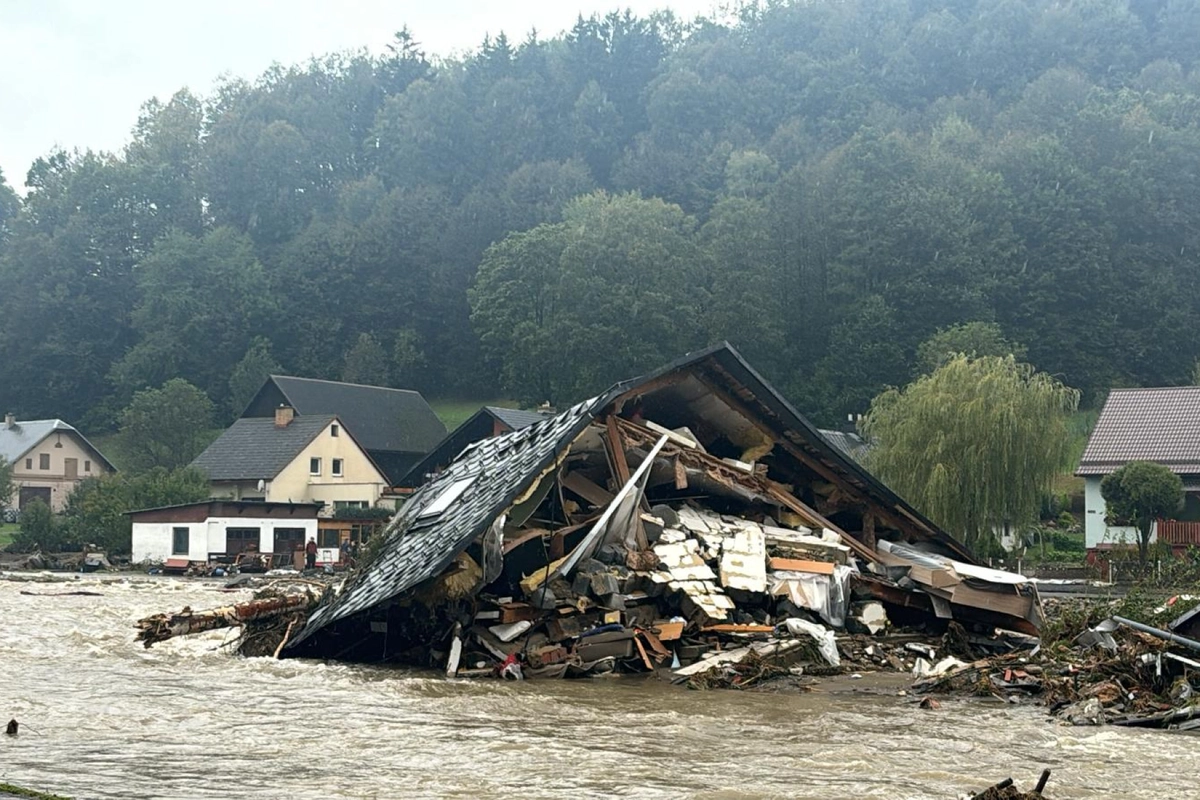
40	530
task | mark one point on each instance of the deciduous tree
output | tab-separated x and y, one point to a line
166	427
974	445
1139	493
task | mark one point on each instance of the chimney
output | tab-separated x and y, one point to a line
284	415
10	420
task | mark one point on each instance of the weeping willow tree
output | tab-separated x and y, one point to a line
975	444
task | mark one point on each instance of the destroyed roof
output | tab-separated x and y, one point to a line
480	425
454	508
460	503
253	448
396	420
24	435
1160	425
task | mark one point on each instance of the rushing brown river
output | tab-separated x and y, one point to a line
104	718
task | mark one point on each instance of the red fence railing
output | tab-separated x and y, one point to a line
1178	533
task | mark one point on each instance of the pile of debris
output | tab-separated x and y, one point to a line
689	520
1120	672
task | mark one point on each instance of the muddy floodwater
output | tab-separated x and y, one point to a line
102	717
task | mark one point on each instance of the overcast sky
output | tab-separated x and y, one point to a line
75	72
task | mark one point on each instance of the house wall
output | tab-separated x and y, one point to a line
1097	533
55	478
152	541
360	481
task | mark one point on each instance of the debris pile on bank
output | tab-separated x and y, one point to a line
1120	672
690	520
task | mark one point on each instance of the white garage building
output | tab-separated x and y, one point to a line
200	531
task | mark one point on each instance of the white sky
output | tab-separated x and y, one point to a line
75	72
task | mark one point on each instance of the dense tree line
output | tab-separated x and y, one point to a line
825	184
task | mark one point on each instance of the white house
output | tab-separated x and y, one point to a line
198	531
1161	425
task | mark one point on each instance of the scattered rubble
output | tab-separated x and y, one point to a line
1120	672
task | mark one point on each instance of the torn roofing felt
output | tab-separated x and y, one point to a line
715	388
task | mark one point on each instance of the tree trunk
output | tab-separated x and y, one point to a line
161	627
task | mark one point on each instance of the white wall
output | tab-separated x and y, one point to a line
1096	532
152	541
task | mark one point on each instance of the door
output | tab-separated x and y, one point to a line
71	467
30	493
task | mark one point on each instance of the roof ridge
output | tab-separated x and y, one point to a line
347	383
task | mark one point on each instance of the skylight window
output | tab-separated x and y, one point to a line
446	498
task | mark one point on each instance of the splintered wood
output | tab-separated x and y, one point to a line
161	627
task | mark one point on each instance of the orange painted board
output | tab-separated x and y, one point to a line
800	565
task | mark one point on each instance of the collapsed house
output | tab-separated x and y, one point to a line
661	523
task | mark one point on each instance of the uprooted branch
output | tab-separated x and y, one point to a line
160	627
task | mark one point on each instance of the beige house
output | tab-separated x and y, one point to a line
49	458
292	459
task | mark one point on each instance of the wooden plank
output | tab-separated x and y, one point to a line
616	450
595	494
669	631
803	510
731	628
637	640
681	481
800	565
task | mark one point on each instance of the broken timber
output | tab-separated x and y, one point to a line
161	627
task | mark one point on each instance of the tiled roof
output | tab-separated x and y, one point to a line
380	418
470	493
252	448
1160	425
516	418
25	435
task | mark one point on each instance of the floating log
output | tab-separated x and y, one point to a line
161	627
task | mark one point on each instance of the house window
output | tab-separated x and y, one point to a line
314	466
337	468
334	430
329	538
238	540
44	461
179	541
29	463
87	466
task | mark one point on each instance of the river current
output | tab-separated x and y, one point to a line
104	718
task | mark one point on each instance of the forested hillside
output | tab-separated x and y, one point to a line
823	183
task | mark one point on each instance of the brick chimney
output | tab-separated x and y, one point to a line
284	416
10	420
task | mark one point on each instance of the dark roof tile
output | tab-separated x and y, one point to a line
1160	425
380	418
252	448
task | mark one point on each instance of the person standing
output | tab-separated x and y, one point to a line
310	554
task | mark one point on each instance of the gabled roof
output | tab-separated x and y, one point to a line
397	420
479	425
1159	424
252	448
516	418
462	501
22	437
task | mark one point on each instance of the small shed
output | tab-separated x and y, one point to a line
222	529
